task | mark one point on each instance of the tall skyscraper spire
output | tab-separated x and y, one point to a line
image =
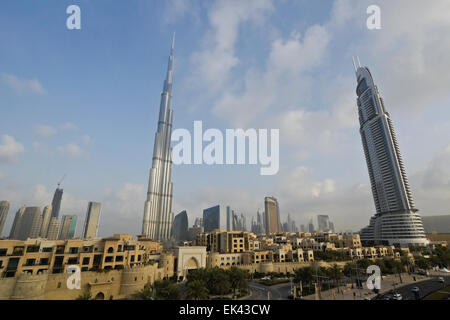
396	220
158	216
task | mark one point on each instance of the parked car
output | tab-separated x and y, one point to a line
444	270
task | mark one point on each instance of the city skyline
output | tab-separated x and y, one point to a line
322	168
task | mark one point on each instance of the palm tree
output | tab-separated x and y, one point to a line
335	273
144	294
196	290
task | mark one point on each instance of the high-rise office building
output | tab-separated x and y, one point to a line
230	214
323	222
211	218
158	216
92	219
198	222
332	227
311	226
14	233
46	216
30	224
56	202
4	208
272	215
396	220
181	226
68	227
302	228
53	229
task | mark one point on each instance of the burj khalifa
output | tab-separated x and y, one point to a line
158	215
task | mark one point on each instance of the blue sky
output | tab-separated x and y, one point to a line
85	102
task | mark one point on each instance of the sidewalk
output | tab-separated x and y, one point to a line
387	283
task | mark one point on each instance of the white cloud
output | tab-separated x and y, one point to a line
9	149
69	126
86	140
71	150
214	62
23	85
45	130
122	209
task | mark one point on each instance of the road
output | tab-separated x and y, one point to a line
277	292
425	287
282	291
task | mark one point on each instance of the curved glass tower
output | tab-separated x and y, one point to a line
396	220
158	215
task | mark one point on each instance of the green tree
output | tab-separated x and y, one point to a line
422	263
144	294
196	290
238	279
305	275
84	296
166	290
218	282
335	273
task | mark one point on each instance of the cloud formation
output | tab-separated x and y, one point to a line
9	149
23	85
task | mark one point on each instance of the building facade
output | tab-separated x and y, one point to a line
56	202
271	215
396	220
180	226
4	208
30	224
211	218
92	220
68	227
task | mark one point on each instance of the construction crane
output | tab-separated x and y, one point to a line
59	183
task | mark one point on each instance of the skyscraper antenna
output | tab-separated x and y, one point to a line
173	43
354	65
59	183
359	63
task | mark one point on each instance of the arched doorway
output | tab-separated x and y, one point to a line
100	296
192	263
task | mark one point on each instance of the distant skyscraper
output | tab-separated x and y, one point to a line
323	222
181	226
158	216
396	220
46	216
311	226
272	215
302	228
68	227
53	229
230	214
211	218
56	203
30	224
332	227
198	223
16	224
4	208
92	219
